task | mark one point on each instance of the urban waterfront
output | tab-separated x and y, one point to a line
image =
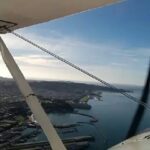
114	114
102	121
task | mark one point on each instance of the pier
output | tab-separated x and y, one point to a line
92	119
71	143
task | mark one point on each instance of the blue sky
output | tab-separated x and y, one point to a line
111	42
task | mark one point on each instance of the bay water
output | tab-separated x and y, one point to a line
114	113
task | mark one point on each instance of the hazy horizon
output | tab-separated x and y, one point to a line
76	81
110	42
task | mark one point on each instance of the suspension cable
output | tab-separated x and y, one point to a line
80	69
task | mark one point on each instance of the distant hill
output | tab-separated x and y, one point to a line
62	86
4	79
52	89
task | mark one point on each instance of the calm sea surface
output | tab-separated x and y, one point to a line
114	116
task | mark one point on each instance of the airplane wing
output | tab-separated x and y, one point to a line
15	14
138	142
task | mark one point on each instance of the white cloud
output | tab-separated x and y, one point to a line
36	60
3	69
110	63
118	64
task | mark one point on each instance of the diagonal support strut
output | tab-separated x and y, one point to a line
31	99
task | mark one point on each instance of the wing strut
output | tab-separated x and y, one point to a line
140	110
31	99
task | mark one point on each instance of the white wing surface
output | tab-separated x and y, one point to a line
22	13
